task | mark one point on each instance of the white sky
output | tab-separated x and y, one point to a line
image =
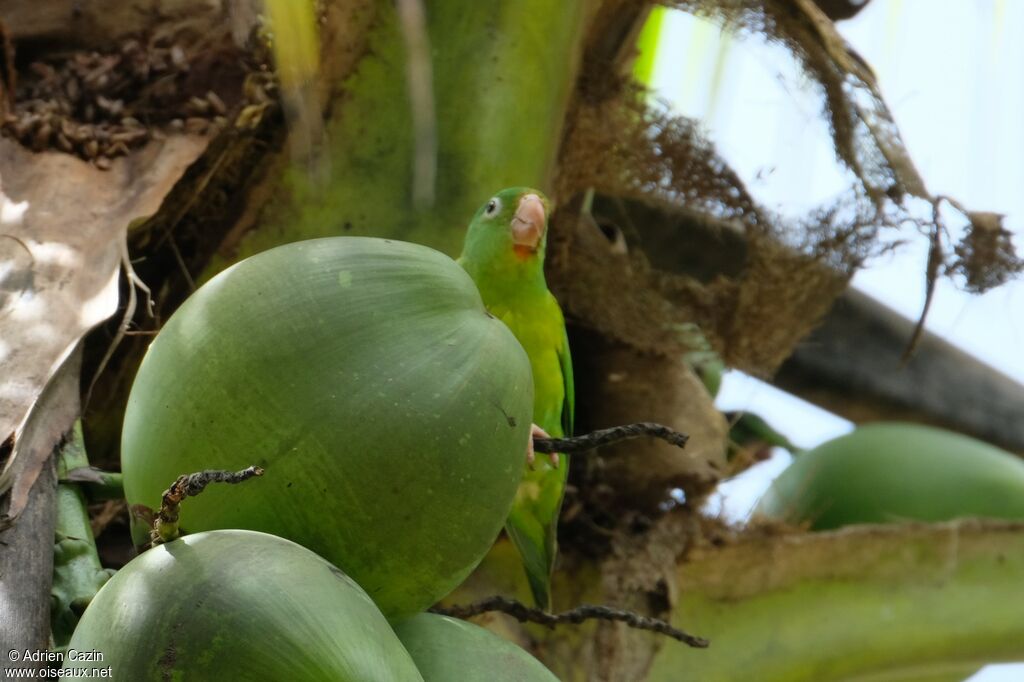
952	72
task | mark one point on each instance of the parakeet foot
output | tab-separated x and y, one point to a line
537	432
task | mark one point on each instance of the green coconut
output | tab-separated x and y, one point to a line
892	472
236	605
390	411
447	649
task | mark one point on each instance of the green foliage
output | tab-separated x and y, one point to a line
647	46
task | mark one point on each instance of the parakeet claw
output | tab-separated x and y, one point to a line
535	432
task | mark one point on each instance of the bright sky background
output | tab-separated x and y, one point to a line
952	72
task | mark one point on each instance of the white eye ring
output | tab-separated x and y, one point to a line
493	206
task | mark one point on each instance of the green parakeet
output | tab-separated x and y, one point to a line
504	254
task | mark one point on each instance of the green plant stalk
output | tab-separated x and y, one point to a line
702	358
108	486
866	603
295	41
502	75
98	485
165	527
77	572
647	46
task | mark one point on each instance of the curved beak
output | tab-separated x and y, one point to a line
528	223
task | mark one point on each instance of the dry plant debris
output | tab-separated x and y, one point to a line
618	143
102	105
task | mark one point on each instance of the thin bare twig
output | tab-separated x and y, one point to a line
526	614
932	270
165	528
590	441
173	243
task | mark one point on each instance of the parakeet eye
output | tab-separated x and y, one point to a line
493	206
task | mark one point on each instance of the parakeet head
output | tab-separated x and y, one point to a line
509	229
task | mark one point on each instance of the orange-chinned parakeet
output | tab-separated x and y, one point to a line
504	254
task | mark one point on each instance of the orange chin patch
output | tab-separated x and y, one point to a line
523	252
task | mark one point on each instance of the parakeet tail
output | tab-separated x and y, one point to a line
537	547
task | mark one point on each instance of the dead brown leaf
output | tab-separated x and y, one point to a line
63	225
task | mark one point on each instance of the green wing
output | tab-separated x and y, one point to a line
533	521
569	405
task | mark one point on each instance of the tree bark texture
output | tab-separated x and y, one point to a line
26	552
